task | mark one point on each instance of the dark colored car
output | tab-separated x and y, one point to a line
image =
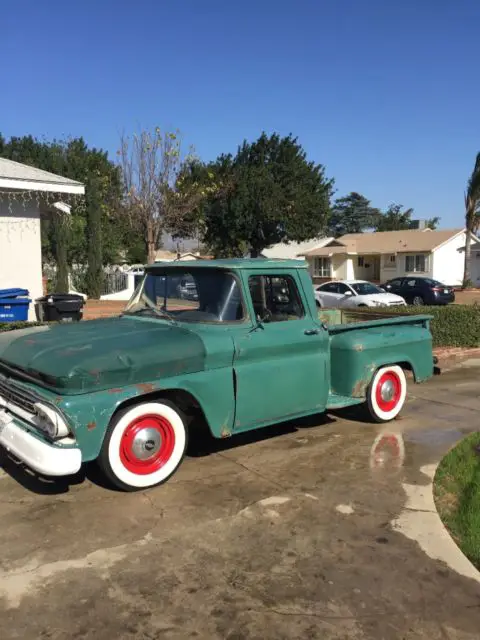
417	290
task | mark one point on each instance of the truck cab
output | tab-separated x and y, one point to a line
247	350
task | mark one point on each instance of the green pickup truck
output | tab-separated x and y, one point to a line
240	348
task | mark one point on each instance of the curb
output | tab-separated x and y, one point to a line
455	357
420	521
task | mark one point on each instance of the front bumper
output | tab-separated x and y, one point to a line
45	458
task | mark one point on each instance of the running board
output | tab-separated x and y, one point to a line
336	401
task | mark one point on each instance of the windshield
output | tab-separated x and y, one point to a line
196	295
366	288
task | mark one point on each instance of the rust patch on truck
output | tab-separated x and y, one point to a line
225	432
91	426
145	387
359	389
116	390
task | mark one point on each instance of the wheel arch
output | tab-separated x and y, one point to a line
404	364
181	398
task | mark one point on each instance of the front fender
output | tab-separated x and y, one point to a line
89	414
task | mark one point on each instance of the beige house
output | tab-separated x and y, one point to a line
26	193
292	250
384	255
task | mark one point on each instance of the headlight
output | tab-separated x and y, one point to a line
50	421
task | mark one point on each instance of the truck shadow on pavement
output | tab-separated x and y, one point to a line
201	443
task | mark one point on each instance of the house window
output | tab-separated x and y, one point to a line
390	261
416	263
361	261
322	267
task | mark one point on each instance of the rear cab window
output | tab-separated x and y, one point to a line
275	298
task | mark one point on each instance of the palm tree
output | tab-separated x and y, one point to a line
472	214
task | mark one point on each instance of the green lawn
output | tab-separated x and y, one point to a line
457	495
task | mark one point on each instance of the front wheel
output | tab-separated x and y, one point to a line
387	393
417	301
144	445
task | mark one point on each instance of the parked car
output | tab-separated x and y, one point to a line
354	293
187	289
126	391
418	290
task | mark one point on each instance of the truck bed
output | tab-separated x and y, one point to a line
341	320
363	341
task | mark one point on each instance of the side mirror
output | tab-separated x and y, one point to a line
348	293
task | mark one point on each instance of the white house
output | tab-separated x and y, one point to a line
26	193
385	255
475	263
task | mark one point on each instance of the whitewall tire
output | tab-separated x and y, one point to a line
387	393
144	445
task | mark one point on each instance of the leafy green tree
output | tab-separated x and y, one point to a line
74	159
395	218
352	214
472	215
267	193
60	238
94	277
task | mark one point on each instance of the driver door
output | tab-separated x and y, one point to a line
281	363
345	295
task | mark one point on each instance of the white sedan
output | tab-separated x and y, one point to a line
354	293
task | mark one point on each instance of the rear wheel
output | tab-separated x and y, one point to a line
417	301
144	445
387	393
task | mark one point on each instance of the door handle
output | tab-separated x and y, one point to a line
311	332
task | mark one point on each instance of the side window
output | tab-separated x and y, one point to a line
342	288
331	287
275	298
396	283
411	283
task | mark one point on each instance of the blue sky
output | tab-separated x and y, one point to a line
384	94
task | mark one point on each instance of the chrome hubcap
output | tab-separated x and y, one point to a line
387	391
146	444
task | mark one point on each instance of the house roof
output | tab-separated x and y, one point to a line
231	263
162	254
286	250
382	242
15	175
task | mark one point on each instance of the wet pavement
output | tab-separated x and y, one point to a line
319	529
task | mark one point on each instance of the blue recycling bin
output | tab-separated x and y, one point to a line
14	305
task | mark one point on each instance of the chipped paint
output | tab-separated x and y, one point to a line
358	347
359	388
115	390
145	387
91	426
225	432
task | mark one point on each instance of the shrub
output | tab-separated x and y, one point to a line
11	326
454	325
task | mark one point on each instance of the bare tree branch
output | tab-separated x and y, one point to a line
155	197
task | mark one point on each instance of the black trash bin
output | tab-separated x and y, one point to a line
59	307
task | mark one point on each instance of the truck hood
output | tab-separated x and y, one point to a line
101	354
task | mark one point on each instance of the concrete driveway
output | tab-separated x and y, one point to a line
320	530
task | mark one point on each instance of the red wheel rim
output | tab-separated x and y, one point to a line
388	391
147	444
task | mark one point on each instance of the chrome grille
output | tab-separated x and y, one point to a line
16	396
